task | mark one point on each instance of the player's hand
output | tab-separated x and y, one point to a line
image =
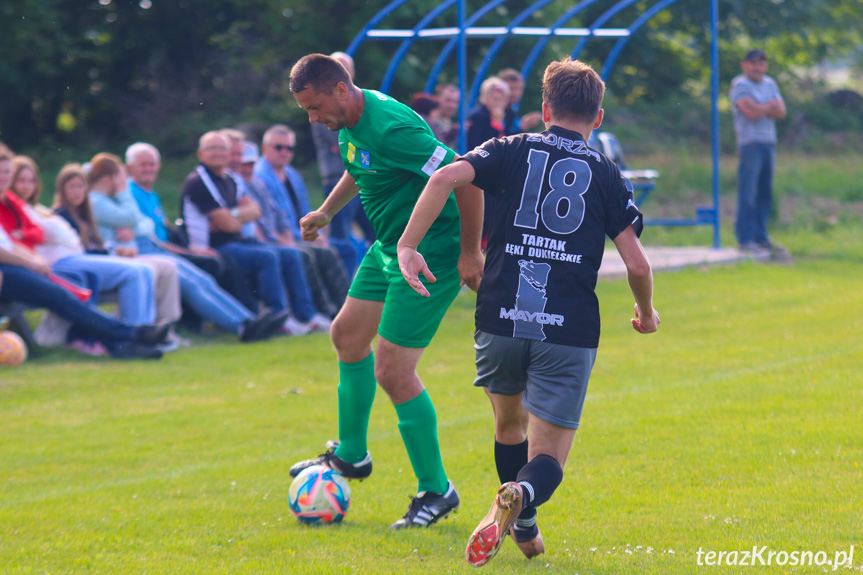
643	324
311	223
470	268
411	264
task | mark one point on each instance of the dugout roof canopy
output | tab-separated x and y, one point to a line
452	41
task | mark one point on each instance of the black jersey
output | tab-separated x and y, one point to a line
553	201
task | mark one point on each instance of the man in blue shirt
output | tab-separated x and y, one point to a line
143	162
287	188
199	290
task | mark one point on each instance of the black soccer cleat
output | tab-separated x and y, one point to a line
427	508
359	470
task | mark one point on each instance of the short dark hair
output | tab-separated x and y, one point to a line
510	75
573	90
441	88
753	55
423	103
319	72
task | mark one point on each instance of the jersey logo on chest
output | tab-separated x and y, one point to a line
364	157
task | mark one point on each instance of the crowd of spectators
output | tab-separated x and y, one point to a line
237	261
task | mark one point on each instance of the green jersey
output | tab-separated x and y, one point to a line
391	153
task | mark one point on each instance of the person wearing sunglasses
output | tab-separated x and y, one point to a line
324	268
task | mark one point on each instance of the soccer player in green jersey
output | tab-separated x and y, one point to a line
389	153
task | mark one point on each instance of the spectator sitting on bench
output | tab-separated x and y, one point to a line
63	250
286	186
106	183
144	162
304	289
26	280
115	208
214	214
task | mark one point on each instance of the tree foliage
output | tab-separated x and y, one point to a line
113	69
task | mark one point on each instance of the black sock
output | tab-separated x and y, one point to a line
539	478
509	460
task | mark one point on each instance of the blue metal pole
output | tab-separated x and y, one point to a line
462	76
541	43
619	45
358	39
406	44
599	23
714	103
496	46
451	44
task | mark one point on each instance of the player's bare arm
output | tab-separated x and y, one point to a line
470	262
343	193
426	211
640	278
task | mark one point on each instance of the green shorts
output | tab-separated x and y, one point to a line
408	319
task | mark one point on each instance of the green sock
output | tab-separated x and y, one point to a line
418	426
356	395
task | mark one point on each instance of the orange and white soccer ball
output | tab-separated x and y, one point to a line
13	350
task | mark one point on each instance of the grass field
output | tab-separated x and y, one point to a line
737	425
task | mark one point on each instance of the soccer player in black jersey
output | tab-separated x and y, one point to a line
553	202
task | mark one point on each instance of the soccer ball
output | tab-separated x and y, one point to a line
13	350
319	495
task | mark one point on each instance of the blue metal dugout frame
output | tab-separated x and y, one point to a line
466	27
